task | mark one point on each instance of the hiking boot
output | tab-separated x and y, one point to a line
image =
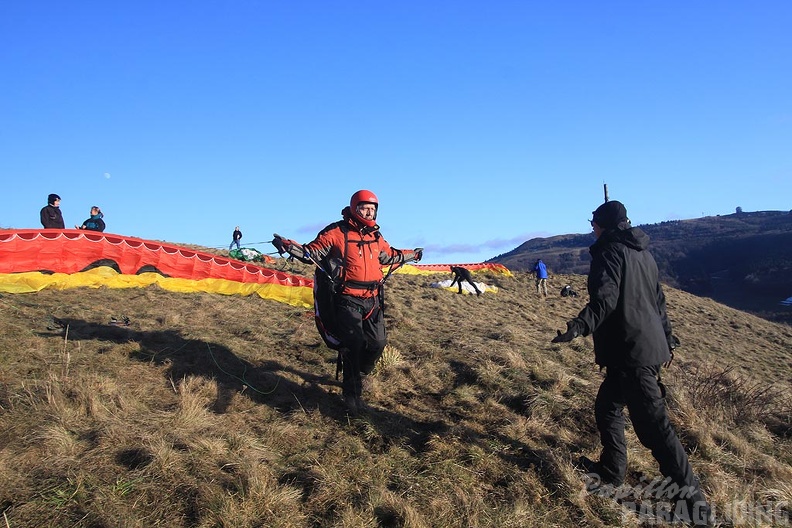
597	475
694	511
361	405
351	404
701	513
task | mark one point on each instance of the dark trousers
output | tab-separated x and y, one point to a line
361	331
640	391
458	280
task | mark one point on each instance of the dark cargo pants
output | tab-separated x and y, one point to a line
362	334
639	389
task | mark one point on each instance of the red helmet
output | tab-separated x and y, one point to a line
363	196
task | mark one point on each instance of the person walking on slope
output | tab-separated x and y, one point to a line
51	216
627	316
541	277
463	274
95	222
357	244
236	236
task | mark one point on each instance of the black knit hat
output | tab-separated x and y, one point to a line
610	214
51	198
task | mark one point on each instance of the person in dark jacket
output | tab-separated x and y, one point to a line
463	274
627	316
95	222
236	236
567	291
51	216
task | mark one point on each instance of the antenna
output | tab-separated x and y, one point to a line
605	190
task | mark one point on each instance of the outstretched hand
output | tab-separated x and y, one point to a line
417	254
292	248
280	244
573	330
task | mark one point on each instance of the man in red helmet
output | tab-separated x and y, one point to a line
356	243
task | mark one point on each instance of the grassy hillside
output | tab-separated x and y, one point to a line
224	411
743	260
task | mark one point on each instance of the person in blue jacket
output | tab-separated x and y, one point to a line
541	277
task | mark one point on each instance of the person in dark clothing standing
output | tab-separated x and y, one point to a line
627	316
235	238
95	222
463	274
51	216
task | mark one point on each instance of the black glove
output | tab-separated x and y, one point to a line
292	248
417	254
673	343
575	328
279	244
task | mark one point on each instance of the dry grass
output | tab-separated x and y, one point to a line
224	411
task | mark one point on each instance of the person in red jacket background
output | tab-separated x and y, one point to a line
355	242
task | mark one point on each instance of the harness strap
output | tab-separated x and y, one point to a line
344	229
371	312
352	284
362	285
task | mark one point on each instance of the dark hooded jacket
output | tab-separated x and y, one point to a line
627	310
51	217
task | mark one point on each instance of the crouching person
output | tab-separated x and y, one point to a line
567	291
463	274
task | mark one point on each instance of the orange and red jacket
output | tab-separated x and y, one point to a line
365	254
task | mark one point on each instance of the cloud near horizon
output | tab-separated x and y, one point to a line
497	244
500	245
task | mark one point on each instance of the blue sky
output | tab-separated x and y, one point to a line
479	125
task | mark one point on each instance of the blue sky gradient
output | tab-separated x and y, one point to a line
479	125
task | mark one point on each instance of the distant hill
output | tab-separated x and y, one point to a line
743	259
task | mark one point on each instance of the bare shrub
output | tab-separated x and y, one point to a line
733	396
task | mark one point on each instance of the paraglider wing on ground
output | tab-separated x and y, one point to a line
249	255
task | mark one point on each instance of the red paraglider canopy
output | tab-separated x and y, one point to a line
71	251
